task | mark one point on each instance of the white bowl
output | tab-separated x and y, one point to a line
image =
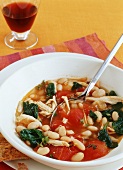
29	72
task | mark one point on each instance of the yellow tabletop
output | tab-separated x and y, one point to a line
62	20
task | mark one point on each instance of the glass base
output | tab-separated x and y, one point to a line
20	44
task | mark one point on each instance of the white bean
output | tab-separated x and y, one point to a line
46	133
28	142
77	157
70	83
20	106
25	119
99	93
33	125
78	144
70	132
90	120
62	131
99	116
110	130
20	128
101	105
104	120
59	87
43	150
115	116
58	143
87	133
66	138
53	135
93	128
110	124
45	128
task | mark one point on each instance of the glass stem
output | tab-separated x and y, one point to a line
20	36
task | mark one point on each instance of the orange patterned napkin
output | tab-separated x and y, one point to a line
90	45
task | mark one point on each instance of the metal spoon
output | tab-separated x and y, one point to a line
83	95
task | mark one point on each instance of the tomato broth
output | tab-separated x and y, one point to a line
80	130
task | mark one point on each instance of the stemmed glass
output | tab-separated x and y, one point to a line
20	16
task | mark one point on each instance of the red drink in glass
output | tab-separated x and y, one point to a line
20	16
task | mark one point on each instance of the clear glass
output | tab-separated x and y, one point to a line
20	16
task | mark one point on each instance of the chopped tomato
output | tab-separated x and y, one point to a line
87	107
56	123
62	152
58	118
75	115
59	94
61	113
44	120
95	149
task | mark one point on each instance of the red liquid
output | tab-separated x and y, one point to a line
20	16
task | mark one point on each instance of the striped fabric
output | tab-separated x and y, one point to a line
90	45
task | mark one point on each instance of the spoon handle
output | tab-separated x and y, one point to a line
104	66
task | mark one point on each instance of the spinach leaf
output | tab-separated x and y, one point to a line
76	86
93	115
118	126
112	93
30	109
103	136
119	108
34	136
50	90
108	114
